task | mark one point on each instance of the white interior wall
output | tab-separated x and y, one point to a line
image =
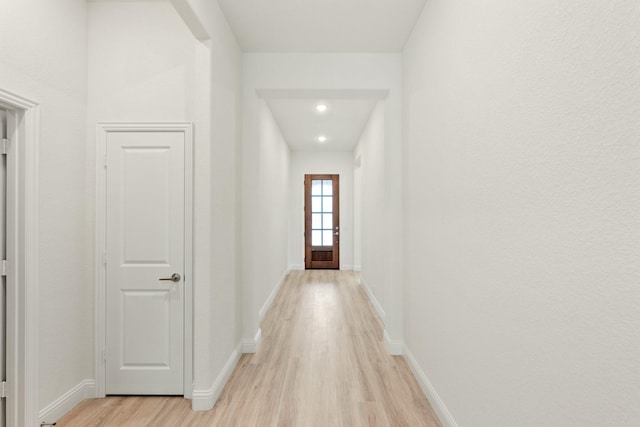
225	118
362	72
357	213
321	162
522	227
146	66
371	154
265	251
44	58
220	105
141	63
273	215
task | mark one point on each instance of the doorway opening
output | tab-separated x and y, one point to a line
19	129
322	221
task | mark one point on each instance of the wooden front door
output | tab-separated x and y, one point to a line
322	221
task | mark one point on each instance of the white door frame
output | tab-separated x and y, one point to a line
103	129
23	124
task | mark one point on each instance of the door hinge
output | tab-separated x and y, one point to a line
104	355
3	389
104	161
4	146
3	267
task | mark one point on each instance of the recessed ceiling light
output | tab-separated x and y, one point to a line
322	138
321	108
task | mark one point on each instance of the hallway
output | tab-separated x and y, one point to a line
488	199
322	362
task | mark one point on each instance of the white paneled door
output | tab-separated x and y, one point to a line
145	260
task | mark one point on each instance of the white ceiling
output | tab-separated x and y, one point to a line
301	124
322	25
342	124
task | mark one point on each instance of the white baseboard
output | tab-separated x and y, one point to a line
203	400
272	296
357	268
395	348
346	267
252	345
446	419
293	267
63	404
374	301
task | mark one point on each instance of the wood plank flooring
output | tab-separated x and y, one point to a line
321	363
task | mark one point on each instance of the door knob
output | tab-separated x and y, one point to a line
175	277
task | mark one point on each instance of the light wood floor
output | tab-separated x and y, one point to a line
322	362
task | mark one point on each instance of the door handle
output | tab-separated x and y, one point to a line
175	277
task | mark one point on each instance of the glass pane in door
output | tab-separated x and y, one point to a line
327	221
321	212
316	187
316	237
327	187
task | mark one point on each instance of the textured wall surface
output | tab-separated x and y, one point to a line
141	63
273	215
218	130
44	58
523	210
370	151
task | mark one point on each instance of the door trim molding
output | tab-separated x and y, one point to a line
22	255
102	130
